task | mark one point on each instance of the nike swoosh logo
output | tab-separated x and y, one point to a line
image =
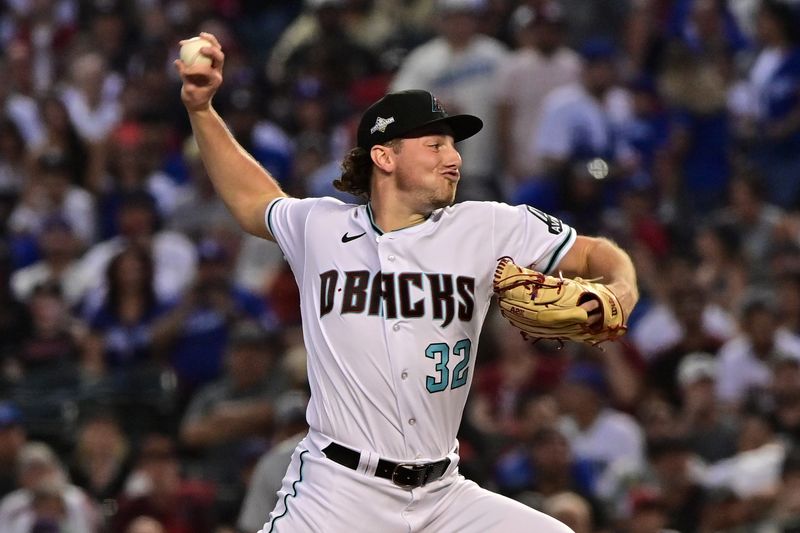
348	238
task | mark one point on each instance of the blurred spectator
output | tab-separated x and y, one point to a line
416	16
707	28
753	475
203	215
784	398
722	271
120	368
59	248
725	511
107	32
459	67
783	255
42	28
786	513
583	18
577	119
133	158
694	84
92	96
19	102
579	123
145	524
173	253
61	137
261	24
14	168
596	432
157	489
51	193
45	494
681	493
775	79
12	440
687	303
265	139
660	327
623	367
537	412
710	433
543	467
318	159
121	327
201	212
745	362
540	63
636	226
267	476
501	386
647	130
45	372
195	331
239	406
657	417
364	31
571	509
52	350
648	513
754	219
101	459
333	54
14	318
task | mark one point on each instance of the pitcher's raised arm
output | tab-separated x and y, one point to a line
242	183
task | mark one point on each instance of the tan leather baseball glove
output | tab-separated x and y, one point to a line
547	307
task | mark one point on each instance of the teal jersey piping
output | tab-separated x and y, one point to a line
269	216
285	498
554	258
372	223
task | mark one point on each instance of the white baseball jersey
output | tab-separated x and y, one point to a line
391	320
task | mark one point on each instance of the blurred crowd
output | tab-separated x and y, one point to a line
152	368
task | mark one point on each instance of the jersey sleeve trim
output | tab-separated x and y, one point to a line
269	215
561	250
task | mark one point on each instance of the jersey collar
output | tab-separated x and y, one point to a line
379	231
372	223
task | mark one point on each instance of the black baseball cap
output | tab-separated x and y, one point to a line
398	114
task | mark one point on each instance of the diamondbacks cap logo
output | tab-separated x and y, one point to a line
380	124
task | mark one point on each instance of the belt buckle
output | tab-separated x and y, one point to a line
413	468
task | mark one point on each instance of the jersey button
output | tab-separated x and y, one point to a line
391	258
396	327
404	375
412	421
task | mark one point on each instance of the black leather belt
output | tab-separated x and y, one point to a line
406	475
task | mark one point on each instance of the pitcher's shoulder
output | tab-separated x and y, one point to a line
473	208
330	205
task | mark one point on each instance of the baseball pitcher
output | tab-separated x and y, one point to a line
394	293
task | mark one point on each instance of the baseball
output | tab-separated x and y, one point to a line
190	51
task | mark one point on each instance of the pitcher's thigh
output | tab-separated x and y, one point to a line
469	508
